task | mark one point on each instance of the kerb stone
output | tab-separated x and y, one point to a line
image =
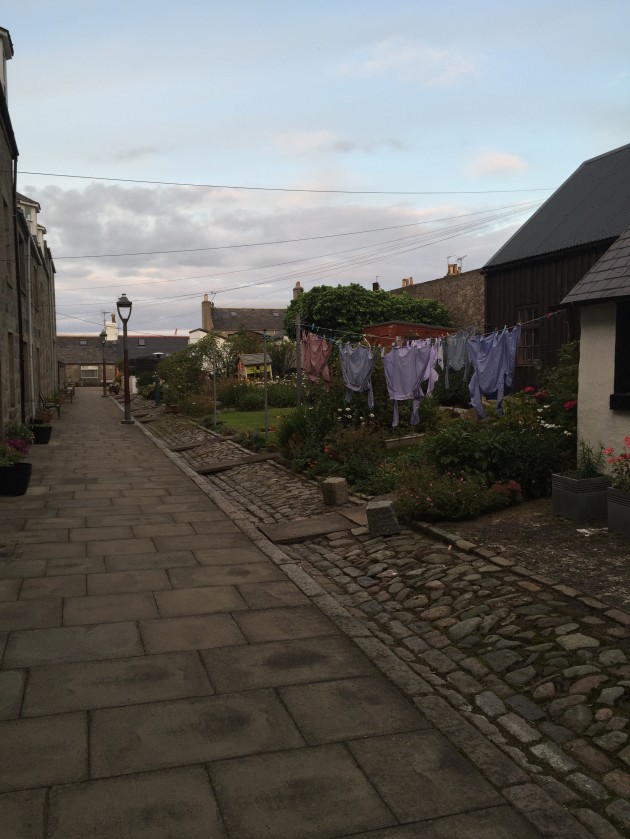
335	491
381	518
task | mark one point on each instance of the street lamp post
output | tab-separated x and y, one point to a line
124	313
103	337
157	391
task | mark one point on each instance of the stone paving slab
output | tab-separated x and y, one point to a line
64	585
493	823
9	590
284	663
155	736
41	752
421	776
225	575
119	582
72	643
22	814
108	608
191	632
348	709
272	595
302	529
148	561
11	691
230	556
284	624
32	614
198	601
306	794
71	565
156	805
61	688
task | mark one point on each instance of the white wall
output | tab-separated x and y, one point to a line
596	422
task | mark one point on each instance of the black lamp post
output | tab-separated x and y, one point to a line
156	378
124	313
103	337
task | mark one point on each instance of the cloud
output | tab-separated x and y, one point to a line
312	142
497	163
137	153
410	61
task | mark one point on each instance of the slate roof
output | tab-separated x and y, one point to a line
609	278
254	359
70	350
593	205
254	320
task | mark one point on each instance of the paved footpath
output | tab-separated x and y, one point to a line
168	672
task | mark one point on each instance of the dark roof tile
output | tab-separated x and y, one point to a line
593	205
608	278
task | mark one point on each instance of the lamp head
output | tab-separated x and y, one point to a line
123	304
103	336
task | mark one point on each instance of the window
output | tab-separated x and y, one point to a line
83	343
89	373
529	349
142	342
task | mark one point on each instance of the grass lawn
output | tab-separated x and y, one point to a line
252	420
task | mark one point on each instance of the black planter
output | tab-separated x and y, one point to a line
14	480
41	433
580	499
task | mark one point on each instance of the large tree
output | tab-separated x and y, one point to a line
349	309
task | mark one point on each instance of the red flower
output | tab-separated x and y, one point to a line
568	406
541	394
528	390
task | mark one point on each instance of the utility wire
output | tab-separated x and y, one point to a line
472	225
288	189
302	239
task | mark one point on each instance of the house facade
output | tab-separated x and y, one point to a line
602	301
28	364
226	322
526	280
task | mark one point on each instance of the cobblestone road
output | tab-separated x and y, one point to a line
483	644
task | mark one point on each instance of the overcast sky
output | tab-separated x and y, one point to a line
481	109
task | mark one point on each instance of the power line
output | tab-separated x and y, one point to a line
288	189
302	239
473	225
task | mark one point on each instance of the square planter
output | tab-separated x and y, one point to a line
580	499
14	480
619	512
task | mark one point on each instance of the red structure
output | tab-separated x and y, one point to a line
386	334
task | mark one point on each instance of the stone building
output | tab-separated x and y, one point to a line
460	292
28	363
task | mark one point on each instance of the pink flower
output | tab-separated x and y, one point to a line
528	390
608	451
626	440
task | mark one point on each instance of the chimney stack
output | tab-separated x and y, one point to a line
405	282
453	269
375	287
410	280
298	290
206	315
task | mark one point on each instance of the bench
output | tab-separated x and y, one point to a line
69	392
50	404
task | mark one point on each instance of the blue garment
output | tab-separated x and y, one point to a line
405	370
456	355
357	365
493	358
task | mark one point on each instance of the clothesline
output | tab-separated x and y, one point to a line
365	335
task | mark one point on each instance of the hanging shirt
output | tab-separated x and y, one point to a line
315	353
405	370
436	358
357	365
456	356
493	358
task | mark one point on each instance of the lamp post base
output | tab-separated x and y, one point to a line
127	422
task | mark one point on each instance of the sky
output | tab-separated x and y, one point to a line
232	149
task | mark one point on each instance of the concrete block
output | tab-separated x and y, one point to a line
381	518
335	491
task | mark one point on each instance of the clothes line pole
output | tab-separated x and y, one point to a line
298	361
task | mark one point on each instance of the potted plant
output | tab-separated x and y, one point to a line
15	474
42	431
580	495
619	493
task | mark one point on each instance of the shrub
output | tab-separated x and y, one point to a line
250	399
281	395
425	494
358	451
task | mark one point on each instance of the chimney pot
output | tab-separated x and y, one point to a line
410	280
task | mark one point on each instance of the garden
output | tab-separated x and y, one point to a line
450	466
